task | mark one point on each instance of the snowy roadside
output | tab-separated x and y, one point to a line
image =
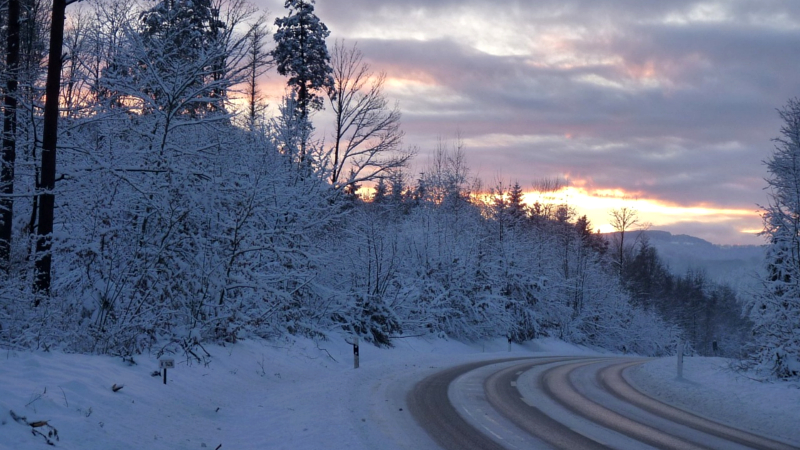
710	388
290	395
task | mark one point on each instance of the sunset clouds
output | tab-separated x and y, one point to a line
671	102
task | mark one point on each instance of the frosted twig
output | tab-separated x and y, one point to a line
35	398
65	396
326	351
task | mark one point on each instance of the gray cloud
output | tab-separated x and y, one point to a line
675	100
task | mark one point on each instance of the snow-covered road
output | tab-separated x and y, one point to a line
568	403
301	394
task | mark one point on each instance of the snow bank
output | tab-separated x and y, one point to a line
710	387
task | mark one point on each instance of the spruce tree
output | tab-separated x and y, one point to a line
776	311
301	53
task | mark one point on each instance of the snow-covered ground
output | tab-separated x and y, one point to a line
711	388
302	395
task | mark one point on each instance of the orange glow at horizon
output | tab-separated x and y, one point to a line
596	204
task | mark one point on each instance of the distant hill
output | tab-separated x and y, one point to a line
735	265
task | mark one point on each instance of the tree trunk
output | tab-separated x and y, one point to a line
49	139
9	135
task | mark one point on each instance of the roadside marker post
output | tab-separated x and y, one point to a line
354	342
165	364
355	354
680	358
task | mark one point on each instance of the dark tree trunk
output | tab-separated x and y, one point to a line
9	135
302	95
44	231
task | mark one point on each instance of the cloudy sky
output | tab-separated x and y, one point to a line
665	106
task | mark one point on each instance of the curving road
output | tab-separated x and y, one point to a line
562	403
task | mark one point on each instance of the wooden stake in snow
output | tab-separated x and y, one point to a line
165	364
680	358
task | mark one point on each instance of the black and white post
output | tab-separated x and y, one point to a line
355	352
165	364
353	340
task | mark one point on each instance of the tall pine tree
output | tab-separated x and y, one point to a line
301	53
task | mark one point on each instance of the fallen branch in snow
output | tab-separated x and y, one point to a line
20	419
51	432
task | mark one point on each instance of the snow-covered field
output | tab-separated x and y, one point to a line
302	395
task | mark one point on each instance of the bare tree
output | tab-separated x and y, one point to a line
258	62
622	219
547	203
367	135
75	92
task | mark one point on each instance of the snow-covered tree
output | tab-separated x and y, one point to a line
776	311
47	184
371	270
176	226
193	47
301	53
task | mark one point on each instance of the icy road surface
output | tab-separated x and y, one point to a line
566	403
